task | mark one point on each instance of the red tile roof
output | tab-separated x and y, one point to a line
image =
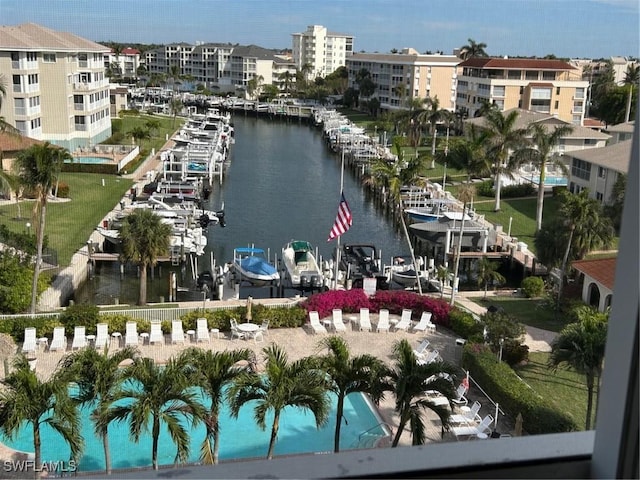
15	143
602	270
516	63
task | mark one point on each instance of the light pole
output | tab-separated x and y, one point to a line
509	231
28	225
500	353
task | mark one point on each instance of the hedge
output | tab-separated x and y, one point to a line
506	388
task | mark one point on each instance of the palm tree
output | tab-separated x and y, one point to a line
139	134
410	380
175	107
362	373
38	167
468	154
144	238
588	228
631	78
432	115
442	274
487	272
287	79
213	372
541	153
472	49
465	194
158	393
580	346
26	398
99	379
503	137
254	86
283	384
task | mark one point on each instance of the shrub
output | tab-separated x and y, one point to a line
464	325
520	190
279	317
558	189
532	287
485	189
80	314
15	326
504	386
62	190
514	352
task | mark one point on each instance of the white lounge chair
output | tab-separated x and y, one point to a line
202	330
131	334
405	320
425	323
314	321
422	348
469	417
383	321
428	357
438	399
177	333
102	335
30	343
365	320
264	327
234	329
338	324
483	428
156	335
79	338
59	341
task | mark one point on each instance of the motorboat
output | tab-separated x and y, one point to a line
403	272
360	261
251	264
301	266
432	210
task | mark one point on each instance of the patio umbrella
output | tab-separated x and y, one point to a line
249	298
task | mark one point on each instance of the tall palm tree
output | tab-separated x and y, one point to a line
347	374
283	384
213	372
99	378
580	346
144	238
503	137
487	272
287	79
541	153
631	78
38	168
254	86
468	154
472	49
465	194
442	274
158	393
410	380
588	228
26	398
175	107
432	115
139	134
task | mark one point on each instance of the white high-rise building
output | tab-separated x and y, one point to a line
322	50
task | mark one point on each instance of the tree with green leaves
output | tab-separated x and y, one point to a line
442	274
631	79
175	107
16	275
139	134
580	346
144	239
432	115
409	381
350	374
25	398
213	373
472	49
502	138
466	192
254	86
488	273
287	79
98	377
38	168
542	153
158	394
613	209
283	384
468	154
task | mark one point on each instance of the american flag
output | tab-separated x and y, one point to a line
343	219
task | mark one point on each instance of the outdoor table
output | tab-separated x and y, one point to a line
328	324
43	342
145	338
192	335
116	336
91	339
249	328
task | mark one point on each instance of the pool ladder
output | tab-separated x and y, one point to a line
368	440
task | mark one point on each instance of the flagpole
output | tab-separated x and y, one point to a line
335	285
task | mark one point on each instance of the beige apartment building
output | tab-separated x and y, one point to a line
547	86
401	77
322	50
57	89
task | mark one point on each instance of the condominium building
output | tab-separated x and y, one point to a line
124	63
57	89
547	86
322	50
401	77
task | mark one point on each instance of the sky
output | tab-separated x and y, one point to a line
564	28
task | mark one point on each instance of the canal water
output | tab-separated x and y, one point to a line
283	183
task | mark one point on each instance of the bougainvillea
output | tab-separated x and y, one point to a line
351	301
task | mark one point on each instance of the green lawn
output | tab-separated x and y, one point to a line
533	312
158	137
69	224
564	389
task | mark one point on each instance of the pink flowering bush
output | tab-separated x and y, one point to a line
351	301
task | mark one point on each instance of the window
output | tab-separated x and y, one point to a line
581	169
548	75
557	104
514	74
15	56
557	90
19	106
579	93
498	90
21	125
35	123
49	57
32	56
599	196
531	75
602	172
541	99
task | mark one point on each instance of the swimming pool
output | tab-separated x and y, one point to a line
90	160
549	181
239	438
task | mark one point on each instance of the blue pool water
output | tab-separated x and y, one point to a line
549	181
239	438
91	160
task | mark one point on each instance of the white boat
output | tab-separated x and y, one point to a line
252	265
301	265
403	273
432	210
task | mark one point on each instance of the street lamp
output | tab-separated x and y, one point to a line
500	353
28	228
